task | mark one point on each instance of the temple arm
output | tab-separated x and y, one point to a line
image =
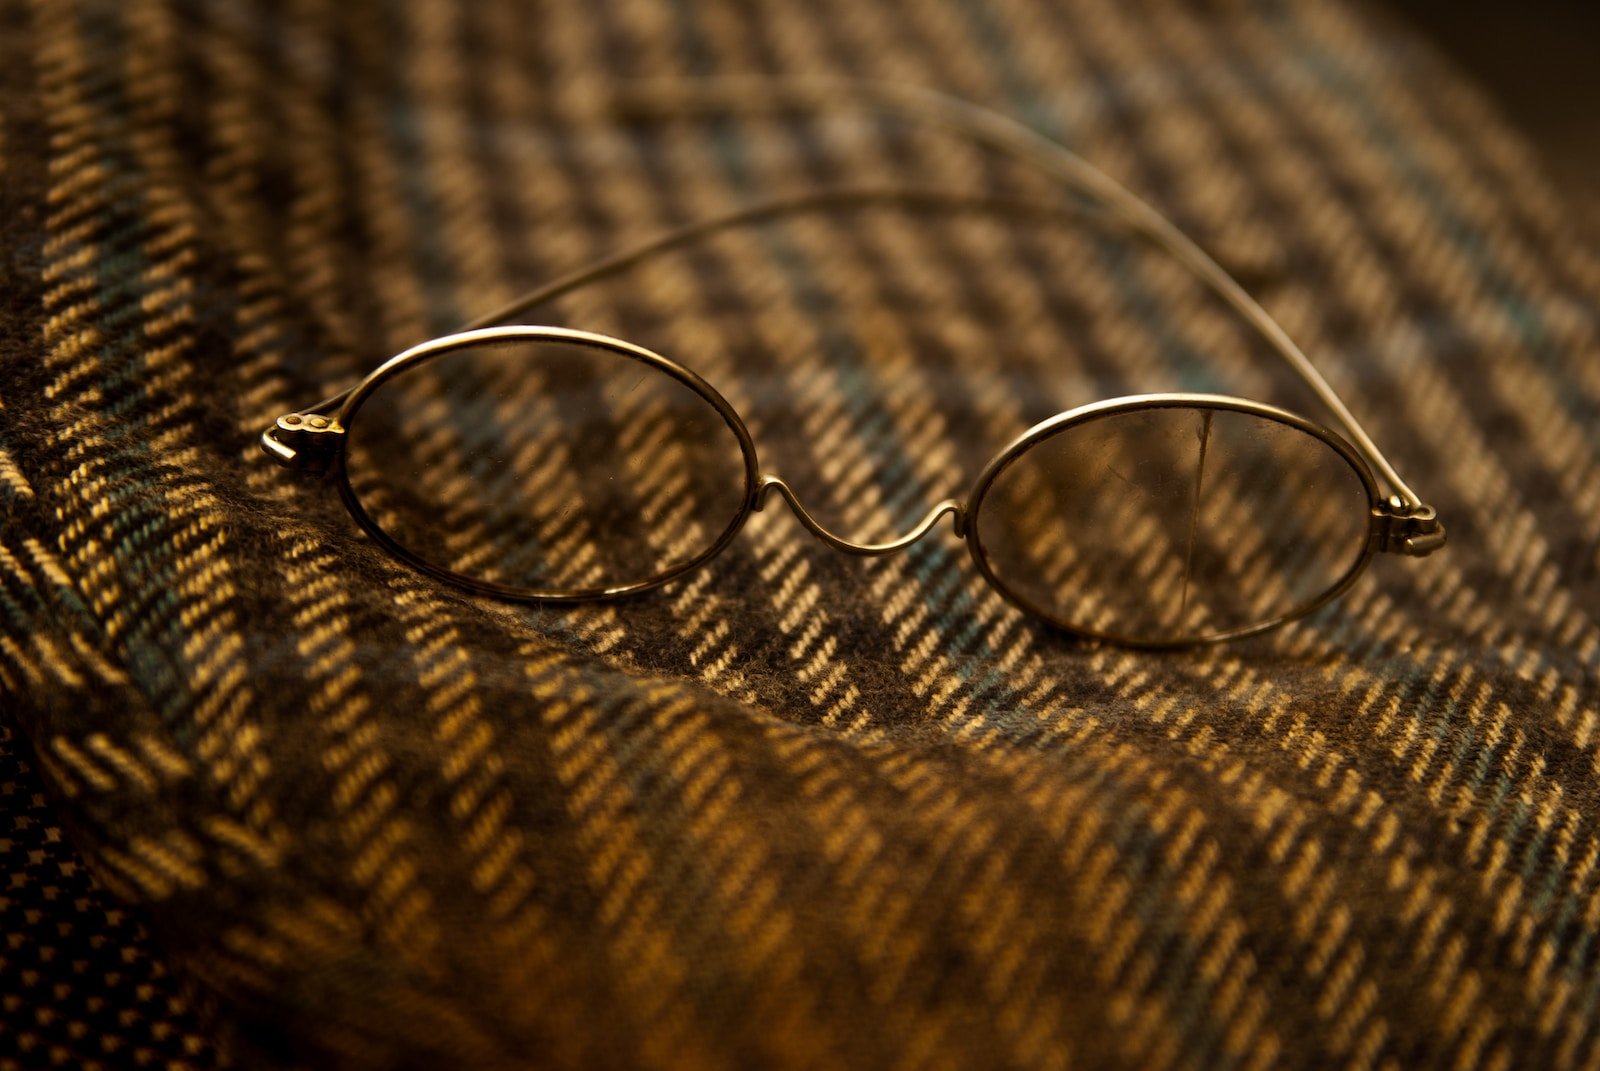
729	96
1420	531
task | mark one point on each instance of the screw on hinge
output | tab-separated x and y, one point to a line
1414	531
307	442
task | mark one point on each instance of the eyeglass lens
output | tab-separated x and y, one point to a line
1169	524
545	466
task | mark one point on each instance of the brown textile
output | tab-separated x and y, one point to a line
798	810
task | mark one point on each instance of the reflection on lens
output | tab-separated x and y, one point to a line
549	467
1174	523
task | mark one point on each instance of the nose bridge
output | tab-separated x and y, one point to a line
770	482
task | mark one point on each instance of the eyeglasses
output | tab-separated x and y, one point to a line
552	464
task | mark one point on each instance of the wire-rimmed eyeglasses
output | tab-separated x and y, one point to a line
576	466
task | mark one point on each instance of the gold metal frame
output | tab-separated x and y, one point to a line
1073	418
418	355
315	438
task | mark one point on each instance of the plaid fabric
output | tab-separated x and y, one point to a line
80	984
798	810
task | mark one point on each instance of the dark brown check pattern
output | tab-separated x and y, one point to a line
796	810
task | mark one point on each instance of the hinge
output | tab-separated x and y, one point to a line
306	442
1414	531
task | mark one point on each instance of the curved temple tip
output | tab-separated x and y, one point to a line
1426	541
276	450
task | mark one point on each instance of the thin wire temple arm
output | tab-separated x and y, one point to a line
756	212
272	440
734	95
1404	524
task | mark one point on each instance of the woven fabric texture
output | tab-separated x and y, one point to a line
82	986
799	809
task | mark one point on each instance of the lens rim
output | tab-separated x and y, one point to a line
438	347
1072	418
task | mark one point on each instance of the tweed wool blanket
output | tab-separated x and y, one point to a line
798	809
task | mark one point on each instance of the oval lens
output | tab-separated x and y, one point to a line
1173	523
546	467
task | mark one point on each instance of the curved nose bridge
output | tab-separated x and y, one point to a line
769	482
